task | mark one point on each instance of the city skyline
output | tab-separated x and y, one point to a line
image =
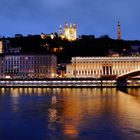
92	18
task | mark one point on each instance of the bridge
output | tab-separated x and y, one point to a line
129	75
122	80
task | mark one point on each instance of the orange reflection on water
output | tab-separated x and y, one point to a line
80	109
70	129
76	106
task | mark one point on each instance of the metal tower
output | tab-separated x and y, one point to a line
119	36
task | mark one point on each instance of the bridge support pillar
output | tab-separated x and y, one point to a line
121	83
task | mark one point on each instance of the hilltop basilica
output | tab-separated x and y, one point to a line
69	32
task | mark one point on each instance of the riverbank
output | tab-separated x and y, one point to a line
54	83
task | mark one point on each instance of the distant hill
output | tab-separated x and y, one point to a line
86	45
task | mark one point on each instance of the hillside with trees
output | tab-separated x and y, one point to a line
86	45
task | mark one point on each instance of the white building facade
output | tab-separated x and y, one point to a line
97	67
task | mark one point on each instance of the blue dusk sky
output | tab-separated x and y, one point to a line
93	17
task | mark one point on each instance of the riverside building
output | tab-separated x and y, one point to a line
97	67
28	66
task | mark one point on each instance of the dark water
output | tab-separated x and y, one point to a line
69	114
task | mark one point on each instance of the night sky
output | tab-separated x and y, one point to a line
96	17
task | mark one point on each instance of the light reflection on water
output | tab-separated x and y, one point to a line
69	113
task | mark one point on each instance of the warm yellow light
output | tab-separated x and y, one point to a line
52	75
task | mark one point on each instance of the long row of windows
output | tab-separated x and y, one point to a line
105	71
28	57
117	66
18	71
108	62
25	62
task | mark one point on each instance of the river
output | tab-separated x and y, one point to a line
69	114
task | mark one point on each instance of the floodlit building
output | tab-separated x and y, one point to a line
45	36
69	32
28	66
97	67
4	44
1	47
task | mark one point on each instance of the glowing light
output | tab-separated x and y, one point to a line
7	77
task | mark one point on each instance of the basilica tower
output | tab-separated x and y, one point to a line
69	32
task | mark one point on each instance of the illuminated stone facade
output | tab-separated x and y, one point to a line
97	67
4	44
45	36
1	47
69	32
